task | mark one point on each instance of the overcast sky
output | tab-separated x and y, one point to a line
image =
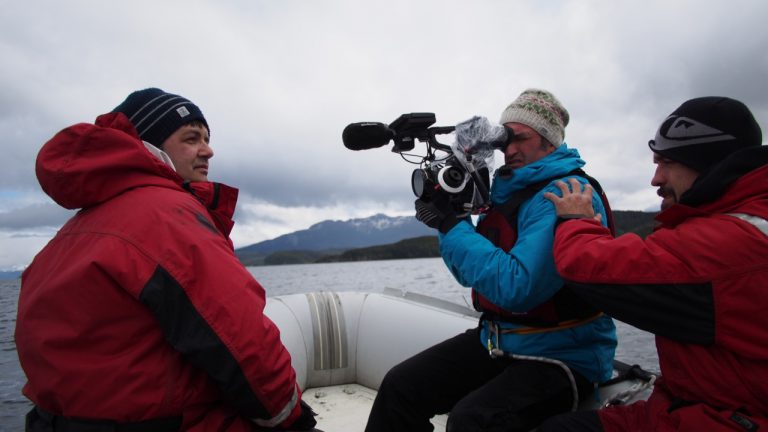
279	80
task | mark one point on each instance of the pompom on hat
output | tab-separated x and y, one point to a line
704	131
541	111
156	115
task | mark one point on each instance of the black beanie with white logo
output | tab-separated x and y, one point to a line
704	131
156	115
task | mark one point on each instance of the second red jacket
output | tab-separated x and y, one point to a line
138	308
698	282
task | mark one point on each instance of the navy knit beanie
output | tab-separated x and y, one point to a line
156	115
704	131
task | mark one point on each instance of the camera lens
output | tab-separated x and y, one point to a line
419	182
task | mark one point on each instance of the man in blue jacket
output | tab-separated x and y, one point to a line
538	349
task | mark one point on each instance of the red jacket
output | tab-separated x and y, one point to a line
138	308
699	284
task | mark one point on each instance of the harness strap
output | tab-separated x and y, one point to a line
603	197
559	326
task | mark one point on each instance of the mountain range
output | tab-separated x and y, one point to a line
342	235
378	237
334	237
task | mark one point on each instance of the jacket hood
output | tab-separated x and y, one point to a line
713	183
87	164
558	163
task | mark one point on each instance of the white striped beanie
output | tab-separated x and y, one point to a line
156	115
541	111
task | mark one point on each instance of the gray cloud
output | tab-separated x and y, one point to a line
36	216
278	81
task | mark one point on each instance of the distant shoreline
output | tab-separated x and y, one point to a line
10	275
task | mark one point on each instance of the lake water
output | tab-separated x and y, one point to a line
425	276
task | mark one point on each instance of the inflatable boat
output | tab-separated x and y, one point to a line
343	343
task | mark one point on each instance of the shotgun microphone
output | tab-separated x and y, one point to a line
366	135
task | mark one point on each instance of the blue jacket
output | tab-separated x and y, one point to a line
526	276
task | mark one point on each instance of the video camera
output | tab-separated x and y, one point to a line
461	170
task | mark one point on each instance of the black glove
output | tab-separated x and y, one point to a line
437	213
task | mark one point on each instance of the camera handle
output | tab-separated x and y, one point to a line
479	182
439	130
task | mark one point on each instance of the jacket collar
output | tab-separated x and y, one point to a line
747	193
713	183
558	163
219	199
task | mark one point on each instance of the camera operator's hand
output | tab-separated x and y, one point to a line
436	213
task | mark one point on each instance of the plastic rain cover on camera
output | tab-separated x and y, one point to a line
474	148
474	138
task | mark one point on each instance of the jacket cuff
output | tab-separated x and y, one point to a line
567	217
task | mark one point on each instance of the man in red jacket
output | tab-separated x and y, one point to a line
697	282
138	315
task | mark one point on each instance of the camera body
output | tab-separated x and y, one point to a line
452	179
461	170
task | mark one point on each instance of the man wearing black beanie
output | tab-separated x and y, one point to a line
138	315
174	125
697	282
